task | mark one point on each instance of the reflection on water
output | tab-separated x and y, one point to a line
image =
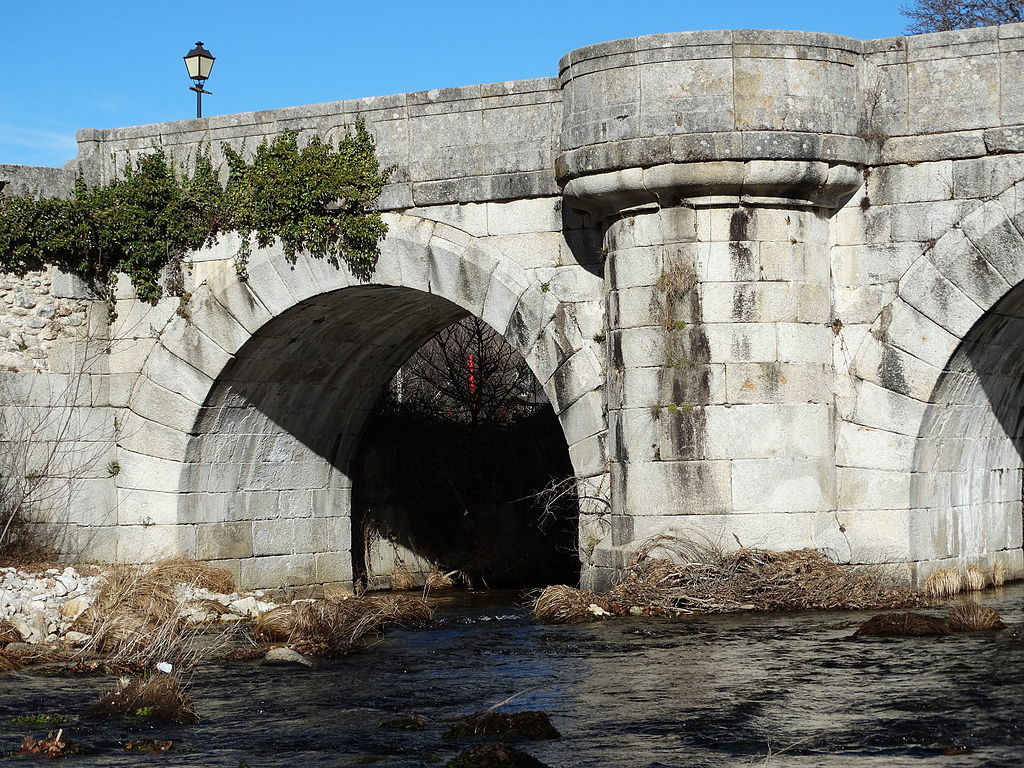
716	691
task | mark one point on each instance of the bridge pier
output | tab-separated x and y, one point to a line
721	403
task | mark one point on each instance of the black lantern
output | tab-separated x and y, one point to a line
199	62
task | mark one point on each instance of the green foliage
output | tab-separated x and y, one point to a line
139	224
318	198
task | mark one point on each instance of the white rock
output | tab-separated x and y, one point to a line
247	606
74	608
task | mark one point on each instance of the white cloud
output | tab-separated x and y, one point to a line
37	138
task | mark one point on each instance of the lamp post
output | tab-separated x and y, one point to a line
199	62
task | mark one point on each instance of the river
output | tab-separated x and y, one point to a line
741	690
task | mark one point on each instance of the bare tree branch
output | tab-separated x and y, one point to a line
944	15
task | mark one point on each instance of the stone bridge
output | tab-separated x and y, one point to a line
772	283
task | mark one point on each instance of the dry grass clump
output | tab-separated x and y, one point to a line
338	624
158	698
670	577
10	662
975	579
215	607
135	617
560	604
8	634
998	575
971	617
276	624
945	582
402	578
902	625
437	579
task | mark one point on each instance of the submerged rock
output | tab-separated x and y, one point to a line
283	657
518	725
405	723
495	756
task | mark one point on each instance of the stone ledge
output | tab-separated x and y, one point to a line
697	147
754	182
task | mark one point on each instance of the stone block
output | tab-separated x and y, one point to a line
741	342
332	567
884	409
215	541
804	343
278	571
866	447
145	543
149	473
765	302
873	488
670	488
524	216
788	430
778	383
783	485
154	402
930	292
141	507
955	93
469	217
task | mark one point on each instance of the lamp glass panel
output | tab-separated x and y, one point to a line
192	65
205	65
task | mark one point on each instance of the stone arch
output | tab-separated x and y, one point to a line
248	408
937	421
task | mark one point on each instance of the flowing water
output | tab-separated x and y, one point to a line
754	689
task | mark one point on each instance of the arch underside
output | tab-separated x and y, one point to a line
262	392
275	441
968	463
948	354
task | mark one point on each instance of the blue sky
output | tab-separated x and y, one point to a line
73	64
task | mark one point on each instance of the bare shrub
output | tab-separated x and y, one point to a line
971	617
699	578
44	456
902	625
276	624
437	579
10	662
195	573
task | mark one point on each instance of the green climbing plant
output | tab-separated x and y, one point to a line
319	199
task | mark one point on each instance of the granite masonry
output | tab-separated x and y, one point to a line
772	283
